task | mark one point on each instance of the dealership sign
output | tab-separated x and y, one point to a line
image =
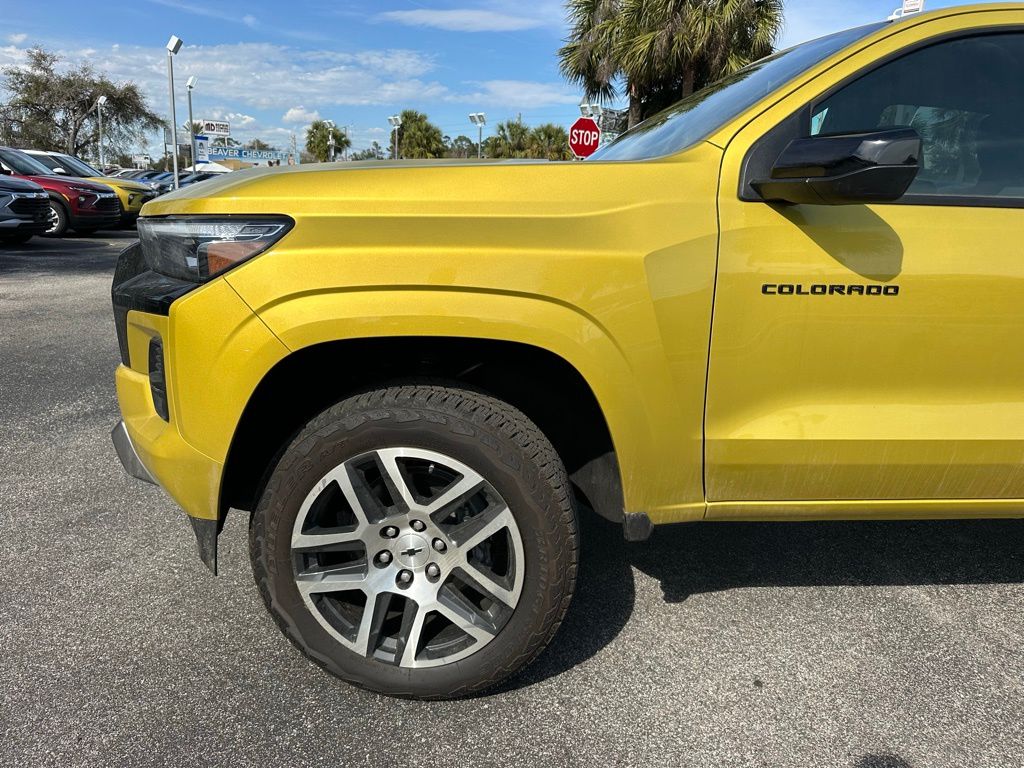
216	127
584	137
202	149
218	152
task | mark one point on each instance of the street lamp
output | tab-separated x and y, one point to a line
99	123
173	46
330	140
395	121
479	119
189	85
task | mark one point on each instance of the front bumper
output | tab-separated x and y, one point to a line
153	450
93	219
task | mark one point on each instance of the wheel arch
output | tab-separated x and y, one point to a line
544	385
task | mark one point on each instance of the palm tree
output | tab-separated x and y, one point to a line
550	142
664	49
511	139
418	137
318	140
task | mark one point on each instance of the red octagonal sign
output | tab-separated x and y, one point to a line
584	137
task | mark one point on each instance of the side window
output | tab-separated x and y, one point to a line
963	96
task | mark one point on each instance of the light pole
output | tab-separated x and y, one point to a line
596	112
479	119
330	140
99	126
189	85
173	46
396	122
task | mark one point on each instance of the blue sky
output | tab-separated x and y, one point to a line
271	66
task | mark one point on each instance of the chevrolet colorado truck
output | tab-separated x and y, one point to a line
795	295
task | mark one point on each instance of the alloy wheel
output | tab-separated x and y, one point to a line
408	556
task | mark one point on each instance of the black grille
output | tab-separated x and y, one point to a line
108	205
38	209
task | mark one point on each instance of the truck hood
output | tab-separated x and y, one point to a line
126	184
10	184
415	189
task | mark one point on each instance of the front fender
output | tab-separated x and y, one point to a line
309	319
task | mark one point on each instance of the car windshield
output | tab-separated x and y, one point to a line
698	116
75	166
26	165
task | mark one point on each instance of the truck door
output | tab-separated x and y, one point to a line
876	352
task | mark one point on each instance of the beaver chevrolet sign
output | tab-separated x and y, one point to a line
218	152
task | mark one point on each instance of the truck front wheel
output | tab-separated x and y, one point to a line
418	541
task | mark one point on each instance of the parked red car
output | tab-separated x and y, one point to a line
77	204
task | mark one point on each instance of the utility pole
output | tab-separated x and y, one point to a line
330	140
173	46
99	127
479	119
396	122
191	125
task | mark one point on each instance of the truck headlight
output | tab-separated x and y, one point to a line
200	248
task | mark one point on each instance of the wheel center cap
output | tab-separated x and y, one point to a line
412	551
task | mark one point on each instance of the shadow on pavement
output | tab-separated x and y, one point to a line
602	605
70	255
710	557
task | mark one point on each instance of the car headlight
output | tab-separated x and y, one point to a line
82	190
201	248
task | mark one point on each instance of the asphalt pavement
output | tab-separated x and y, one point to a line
860	645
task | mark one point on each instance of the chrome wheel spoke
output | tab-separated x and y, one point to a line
464	615
389	462
336	579
467	486
489	584
326	540
411	632
481	527
371	622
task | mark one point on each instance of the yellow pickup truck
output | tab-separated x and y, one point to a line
797	294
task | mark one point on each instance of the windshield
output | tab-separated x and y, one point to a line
19	162
72	165
698	116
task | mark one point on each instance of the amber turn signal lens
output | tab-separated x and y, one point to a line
225	254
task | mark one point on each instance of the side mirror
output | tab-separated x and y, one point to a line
842	170
60	170
4	172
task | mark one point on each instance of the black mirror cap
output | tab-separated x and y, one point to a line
874	167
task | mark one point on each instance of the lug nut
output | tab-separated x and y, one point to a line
418	525
404	577
389	532
440	546
433	571
384	557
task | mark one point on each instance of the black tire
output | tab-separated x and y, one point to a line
489	436
62	217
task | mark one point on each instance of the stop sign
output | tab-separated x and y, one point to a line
584	137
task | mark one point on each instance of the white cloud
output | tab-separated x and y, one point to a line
17	38
250	21
300	115
519	94
268	76
240	119
462	20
